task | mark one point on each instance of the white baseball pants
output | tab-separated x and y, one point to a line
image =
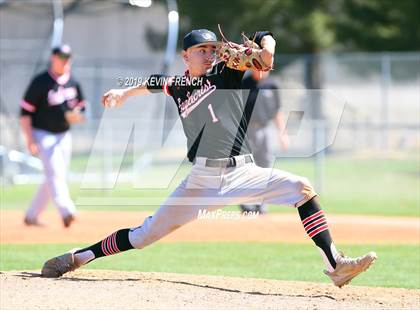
55	154
207	188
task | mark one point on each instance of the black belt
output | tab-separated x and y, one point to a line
226	162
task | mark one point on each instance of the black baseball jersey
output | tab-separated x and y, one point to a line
211	114
263	98
214	116
48	97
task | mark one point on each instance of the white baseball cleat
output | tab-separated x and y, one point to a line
347	268
57	266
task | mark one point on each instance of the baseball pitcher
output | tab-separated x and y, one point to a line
215	119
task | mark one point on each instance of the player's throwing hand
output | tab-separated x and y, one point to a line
32	148
114	98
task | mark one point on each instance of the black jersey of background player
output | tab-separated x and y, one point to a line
263	99
48	97
212	114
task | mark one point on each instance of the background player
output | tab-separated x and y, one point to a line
223	171
264	96
52	102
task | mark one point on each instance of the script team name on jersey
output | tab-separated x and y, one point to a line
194	99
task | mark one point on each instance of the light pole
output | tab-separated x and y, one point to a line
58	25
173	26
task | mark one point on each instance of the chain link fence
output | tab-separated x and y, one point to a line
380	91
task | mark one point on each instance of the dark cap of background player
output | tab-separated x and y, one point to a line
62	50
199	37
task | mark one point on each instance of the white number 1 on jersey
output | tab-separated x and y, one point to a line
213	116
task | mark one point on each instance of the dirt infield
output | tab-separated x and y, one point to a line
101	289
94	225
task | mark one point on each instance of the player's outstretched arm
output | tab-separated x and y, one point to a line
117	97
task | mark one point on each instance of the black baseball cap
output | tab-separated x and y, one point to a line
62	50
199	37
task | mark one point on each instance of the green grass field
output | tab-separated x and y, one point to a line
356	186
397	266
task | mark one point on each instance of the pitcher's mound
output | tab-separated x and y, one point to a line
103	289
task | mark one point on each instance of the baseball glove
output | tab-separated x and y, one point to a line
245	56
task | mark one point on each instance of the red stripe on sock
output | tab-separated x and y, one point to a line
318	230
103	247
108	244
114	243
312	216
323	219
314	219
